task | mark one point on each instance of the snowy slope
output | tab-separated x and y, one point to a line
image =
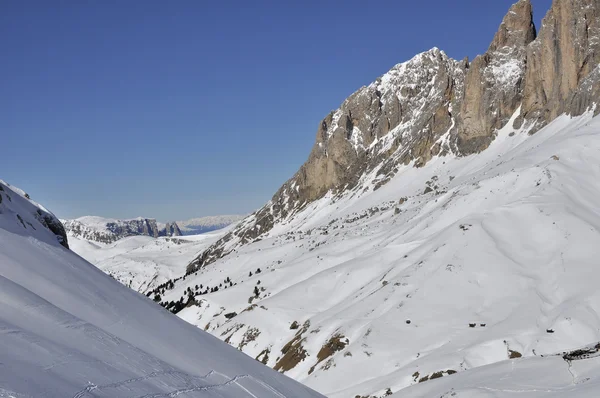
375	289
69	330
522	378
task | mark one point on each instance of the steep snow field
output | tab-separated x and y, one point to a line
69	330
457	265
143	262
528	377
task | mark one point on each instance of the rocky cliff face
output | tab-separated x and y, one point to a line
435	106
494	81
104	230
32	217
562	64
171	229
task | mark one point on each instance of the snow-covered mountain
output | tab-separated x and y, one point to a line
445	220
442	238
465	262
69	330
201	225
108	230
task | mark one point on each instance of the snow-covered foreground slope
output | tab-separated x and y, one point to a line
69	330
523	378
143	262
456	265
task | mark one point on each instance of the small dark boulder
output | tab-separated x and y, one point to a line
230	315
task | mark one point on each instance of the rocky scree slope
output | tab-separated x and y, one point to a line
434	106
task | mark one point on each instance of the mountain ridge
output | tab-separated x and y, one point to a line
382	125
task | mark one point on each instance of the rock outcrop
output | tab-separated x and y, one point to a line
562	64
17	205
494	81
171	229
435	106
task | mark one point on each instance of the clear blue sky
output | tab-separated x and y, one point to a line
179	109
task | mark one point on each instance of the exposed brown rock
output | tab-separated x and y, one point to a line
561	60
494	82
336	343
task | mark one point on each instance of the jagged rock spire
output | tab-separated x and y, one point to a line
517	28
494	82
562	60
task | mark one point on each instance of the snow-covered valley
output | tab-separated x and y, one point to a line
142	262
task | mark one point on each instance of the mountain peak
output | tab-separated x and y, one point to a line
517	28
432	105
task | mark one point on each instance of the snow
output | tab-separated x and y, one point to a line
508	73
142	262
69	330
523	378
100	223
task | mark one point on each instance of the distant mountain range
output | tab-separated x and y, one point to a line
108	230
201	225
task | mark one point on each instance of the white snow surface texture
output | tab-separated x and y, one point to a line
69	330
142	262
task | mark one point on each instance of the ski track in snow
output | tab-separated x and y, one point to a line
233	381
